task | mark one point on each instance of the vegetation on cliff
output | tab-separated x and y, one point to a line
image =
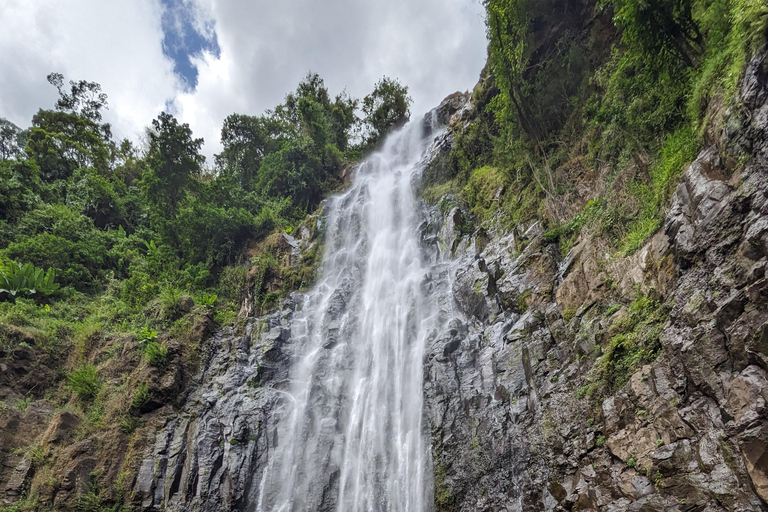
614	97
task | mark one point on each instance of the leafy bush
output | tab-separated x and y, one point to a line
128	424
141	396
157	354
55	236
17	279
85	381
170	302
146	336
207	300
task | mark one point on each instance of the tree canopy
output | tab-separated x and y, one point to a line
91	209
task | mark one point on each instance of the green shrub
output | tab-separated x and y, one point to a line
17	279
141	396
53	236
145	336
207	300
85	381
169	303
128	424
23	403
157	354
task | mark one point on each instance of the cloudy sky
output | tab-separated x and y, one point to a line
205	59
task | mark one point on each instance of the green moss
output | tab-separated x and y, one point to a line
444	499
635	343
484	190
434	193
522	301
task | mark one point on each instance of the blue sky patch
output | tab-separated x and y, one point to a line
185	35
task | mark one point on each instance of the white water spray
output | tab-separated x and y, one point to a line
351	436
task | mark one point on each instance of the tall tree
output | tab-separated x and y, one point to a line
11	143
387	107
246	140
174	162
71	136
61	142
85	99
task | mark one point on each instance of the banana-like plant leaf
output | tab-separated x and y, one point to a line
17	279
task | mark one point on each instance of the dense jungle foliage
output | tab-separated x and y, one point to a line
588	112
102	235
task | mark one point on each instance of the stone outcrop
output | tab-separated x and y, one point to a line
206	456
512	428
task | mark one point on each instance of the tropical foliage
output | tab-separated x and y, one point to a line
127	235
619	88
17	279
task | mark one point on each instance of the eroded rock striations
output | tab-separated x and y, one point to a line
508	380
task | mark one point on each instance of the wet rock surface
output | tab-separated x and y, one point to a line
207	455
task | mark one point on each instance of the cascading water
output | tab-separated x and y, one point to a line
350	433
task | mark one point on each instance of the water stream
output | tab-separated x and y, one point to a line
351	435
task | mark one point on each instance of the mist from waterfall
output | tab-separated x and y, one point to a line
350	434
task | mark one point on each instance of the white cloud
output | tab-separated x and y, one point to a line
433	46
116	44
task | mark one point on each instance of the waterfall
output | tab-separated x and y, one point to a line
350	434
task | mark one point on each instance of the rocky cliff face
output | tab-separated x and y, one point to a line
530	334
207	455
